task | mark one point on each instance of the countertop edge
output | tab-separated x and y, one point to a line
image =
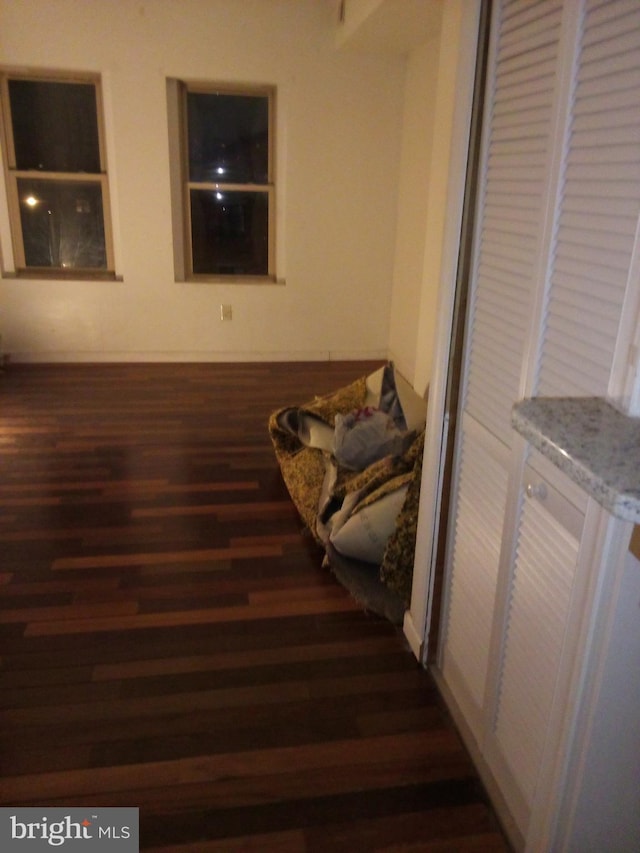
572	446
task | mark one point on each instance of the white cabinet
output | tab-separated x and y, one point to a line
531	636
510	601
530	558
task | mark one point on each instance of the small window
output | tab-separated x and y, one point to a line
56	176
228	182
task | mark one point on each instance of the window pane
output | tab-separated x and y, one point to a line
55	126
62	224
230	232
228	138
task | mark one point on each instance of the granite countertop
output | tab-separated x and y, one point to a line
597	446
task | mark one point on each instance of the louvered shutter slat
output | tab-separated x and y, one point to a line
475	563
574	287
541	589
602	182
595	239
523	13
610	84
522	99
602	12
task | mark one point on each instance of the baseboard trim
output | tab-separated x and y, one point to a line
83	357
413	638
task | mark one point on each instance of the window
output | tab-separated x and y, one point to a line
228	182
56	176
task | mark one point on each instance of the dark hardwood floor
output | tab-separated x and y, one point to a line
170	640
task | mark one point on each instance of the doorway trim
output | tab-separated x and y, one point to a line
466	117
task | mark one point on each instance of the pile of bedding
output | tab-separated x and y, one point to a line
351	461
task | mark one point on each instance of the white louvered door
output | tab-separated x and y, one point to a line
532	634
598	218
515	150
481	504
556	245
542	580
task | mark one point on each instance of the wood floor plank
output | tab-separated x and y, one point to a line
170	639
398	833
39	501
225	512
289	841
188	617
63	612
185	703
284	766
155	558
234	660
92	587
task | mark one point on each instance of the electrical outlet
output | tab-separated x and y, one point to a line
226	312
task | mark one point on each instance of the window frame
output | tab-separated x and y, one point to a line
13	175
269	188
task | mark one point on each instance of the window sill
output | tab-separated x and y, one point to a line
62	275
232	279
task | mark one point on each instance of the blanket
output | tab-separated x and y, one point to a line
365	518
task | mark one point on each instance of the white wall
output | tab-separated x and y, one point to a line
413	205
435	133
456	66
339	124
